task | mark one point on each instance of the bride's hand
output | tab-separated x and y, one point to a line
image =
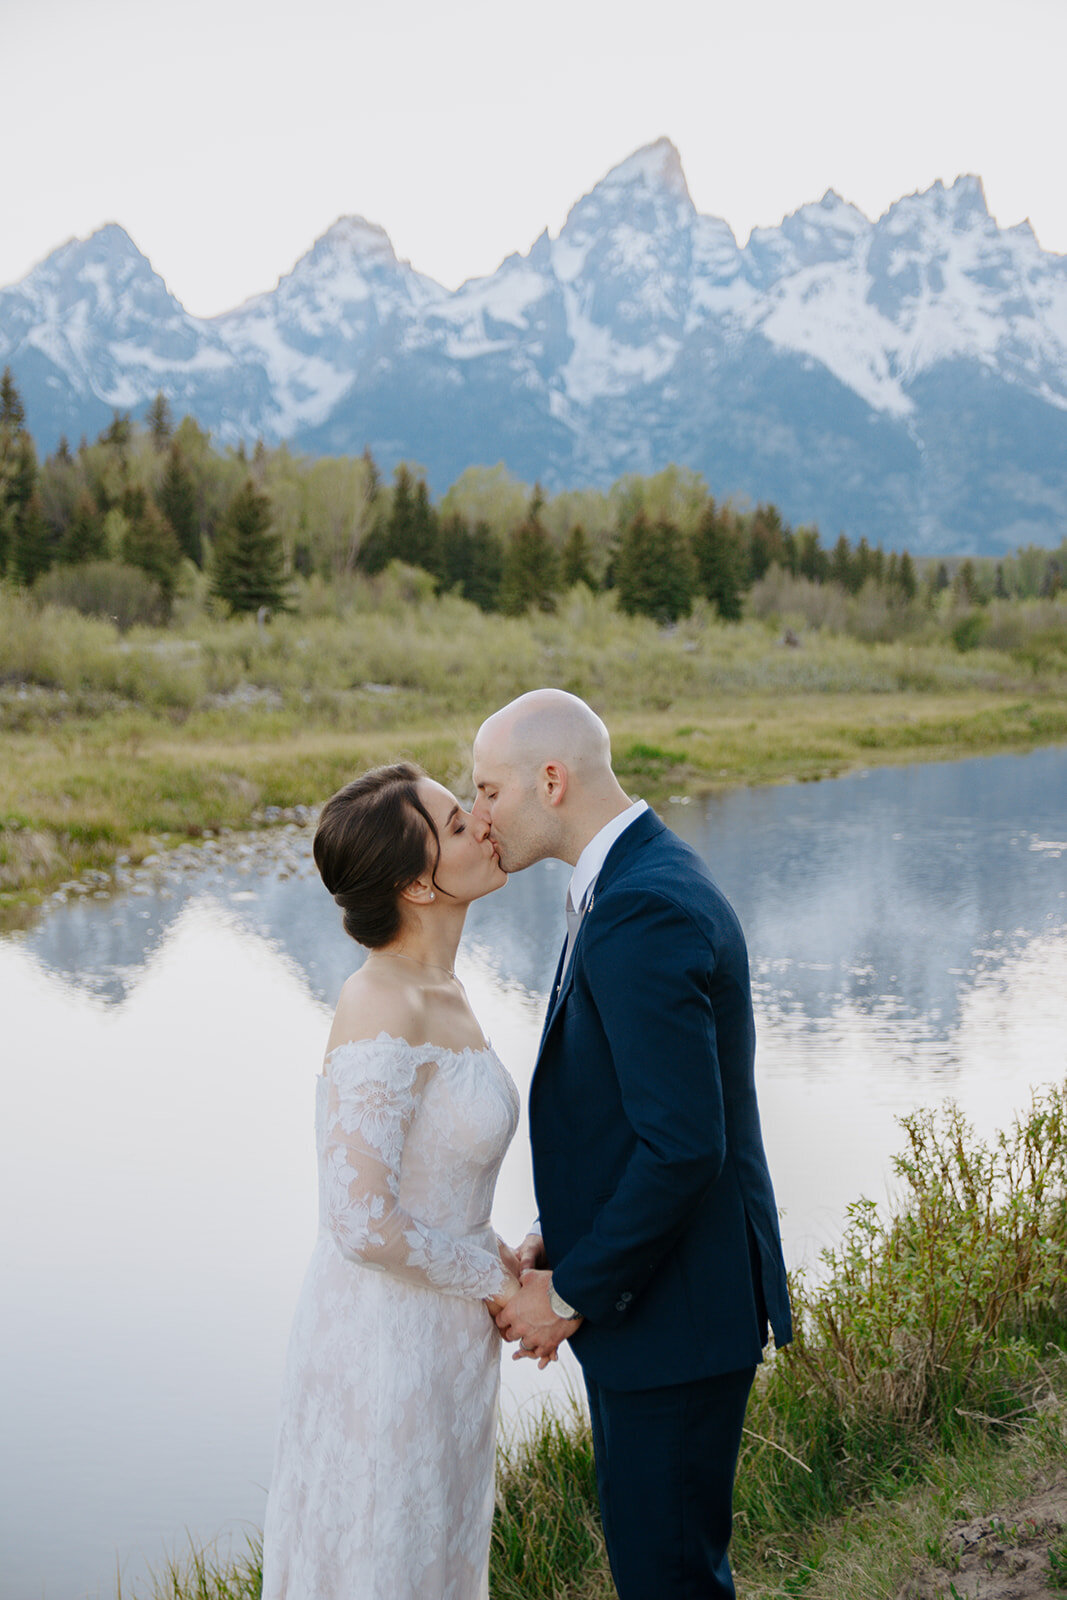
509	1259
495	1303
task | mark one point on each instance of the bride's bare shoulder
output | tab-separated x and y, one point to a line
372	1003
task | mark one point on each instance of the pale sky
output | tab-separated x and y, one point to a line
226	135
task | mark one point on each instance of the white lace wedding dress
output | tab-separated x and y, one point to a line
383	1477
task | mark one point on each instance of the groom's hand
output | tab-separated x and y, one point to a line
529	1317
531	1253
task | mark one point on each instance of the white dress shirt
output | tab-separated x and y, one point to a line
592	858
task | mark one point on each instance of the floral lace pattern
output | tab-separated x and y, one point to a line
383	1476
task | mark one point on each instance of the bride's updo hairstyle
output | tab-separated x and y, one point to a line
375	837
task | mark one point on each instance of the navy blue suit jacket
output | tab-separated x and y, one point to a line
656	1204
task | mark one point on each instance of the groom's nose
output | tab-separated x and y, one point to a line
480	819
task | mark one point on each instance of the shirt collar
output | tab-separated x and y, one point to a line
595	853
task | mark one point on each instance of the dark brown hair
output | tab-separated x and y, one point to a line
375	836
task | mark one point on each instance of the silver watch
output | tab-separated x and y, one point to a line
560	1306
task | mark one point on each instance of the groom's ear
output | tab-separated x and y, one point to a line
554	782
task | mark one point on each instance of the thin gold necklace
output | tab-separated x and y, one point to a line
398	955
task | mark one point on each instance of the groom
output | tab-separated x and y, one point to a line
660	1258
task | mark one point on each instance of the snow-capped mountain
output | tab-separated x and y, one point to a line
905	379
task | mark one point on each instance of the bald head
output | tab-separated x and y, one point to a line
542	769
549	725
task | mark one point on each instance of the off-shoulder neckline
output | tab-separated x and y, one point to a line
392	1038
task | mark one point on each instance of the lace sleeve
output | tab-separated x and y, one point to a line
374	1090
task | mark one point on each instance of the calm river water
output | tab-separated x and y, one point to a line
908	935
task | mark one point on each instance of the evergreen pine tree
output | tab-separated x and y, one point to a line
150	542
454	552
177	501
841	569
965	583
575	559
84	538
482	587
34	545
160	422
764	541
720	562
862	566
411	534
813	562
531	575
118	433
471	561
424	546
249	560
907	582
402	537
655	571
12	414
18	474
1051	579
376	549
22	474
375	480
1000	587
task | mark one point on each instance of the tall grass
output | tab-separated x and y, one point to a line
547	1539
205	1572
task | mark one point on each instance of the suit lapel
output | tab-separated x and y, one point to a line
553	996
563	980
646	827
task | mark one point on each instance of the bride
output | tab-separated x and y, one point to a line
383	1476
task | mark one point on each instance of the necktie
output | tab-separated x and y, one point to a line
574	922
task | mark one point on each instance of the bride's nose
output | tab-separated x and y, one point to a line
479	823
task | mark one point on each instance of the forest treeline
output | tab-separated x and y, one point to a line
121	525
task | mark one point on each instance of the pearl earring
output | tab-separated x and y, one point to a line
432	895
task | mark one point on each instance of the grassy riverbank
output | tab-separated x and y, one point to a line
117	744
914	1435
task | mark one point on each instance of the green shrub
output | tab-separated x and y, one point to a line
123	594
931	1323
969	631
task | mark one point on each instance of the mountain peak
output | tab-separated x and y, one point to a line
354	236
655	166
968	194
109	243
961	204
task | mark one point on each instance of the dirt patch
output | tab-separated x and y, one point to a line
1001	1557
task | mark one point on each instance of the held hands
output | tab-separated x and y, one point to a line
527	1315
531	1253
495	1303
511	1259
